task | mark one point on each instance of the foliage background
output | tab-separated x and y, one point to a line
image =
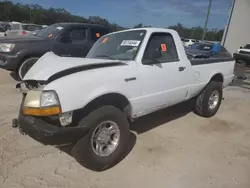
39	15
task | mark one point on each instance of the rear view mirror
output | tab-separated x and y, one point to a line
241	47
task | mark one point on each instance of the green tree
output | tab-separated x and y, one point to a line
39	15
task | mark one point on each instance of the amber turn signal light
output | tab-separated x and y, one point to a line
42	111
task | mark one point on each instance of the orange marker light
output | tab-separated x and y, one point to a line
163	47
105	40
97	35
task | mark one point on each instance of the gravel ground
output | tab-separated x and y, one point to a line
172	148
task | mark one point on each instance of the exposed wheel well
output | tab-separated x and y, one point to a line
217	78
114	99
25	58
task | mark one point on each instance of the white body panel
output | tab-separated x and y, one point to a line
243	49
155	86
188	43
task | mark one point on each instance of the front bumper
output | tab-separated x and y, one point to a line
243	57
8	62
49	134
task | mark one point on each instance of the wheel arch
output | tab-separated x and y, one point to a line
217	77
26	57
114	99
25	54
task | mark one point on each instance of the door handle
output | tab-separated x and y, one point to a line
182	68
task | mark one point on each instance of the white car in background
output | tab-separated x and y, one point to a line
188	42
243	54
21	29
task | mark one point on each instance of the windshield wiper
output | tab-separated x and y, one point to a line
107	56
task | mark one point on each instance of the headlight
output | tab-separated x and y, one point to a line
49	98
38	103
4	47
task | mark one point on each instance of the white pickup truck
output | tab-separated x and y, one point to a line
127	74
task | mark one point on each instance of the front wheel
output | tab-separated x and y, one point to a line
209	100
25	66
105	143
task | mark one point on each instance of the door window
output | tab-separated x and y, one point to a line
160	49
31	27
76	36
15	27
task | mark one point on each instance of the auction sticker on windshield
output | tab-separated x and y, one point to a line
59	28
130	43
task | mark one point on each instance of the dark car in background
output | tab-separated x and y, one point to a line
19	54
3	28
206	50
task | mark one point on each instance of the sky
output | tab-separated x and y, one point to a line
157	13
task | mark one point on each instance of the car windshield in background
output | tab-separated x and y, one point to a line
50	32
31	27
122	46
247	46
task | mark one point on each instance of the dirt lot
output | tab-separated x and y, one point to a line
173	148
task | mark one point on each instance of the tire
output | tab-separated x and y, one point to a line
84	150
204	106
25	66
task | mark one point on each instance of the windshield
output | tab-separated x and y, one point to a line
247	46
122	46
50	32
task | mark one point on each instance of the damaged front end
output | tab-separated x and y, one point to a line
28	85
41	117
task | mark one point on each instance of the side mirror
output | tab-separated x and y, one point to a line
152	57
156	54
241	47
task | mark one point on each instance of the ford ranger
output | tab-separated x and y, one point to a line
89	101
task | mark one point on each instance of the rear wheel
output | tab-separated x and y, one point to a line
209	100
105	143
25	66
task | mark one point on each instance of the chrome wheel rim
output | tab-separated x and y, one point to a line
213	100
105	138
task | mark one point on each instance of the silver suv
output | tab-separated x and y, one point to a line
21	29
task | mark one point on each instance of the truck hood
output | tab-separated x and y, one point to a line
17	39
50	65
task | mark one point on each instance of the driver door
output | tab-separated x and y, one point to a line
162	75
